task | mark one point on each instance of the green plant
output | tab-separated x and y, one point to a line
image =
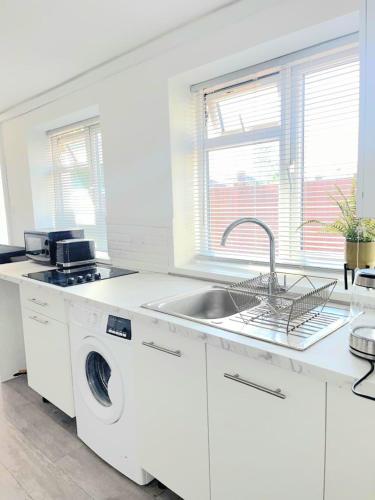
349	225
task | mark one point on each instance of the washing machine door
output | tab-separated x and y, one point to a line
99	381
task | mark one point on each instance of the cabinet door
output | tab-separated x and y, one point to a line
350	445
267	430
172	408
48	359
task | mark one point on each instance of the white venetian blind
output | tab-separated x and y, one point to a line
277	144
77	181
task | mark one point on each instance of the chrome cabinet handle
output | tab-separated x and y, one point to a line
162	349
38	302
237	378
38	320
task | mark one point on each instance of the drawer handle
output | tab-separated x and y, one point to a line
237	378
38	302
38	320
162	349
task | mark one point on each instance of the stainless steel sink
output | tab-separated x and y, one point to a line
208	304
216	307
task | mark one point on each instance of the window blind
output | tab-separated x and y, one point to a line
77	181
278	145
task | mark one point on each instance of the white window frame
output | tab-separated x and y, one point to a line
58	172
290	148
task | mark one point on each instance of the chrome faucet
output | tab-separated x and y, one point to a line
253	220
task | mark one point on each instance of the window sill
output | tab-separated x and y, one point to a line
229	272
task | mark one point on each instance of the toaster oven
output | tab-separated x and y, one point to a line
75	252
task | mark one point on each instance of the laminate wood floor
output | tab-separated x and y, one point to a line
41	457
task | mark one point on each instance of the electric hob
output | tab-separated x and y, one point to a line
78	275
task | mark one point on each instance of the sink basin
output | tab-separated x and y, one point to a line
244	314
213	303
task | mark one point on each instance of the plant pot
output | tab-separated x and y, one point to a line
360	255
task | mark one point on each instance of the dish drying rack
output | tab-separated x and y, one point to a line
281	298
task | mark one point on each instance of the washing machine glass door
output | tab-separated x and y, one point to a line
99	381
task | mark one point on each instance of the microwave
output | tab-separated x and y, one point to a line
41	245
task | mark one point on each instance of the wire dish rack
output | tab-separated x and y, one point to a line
281	298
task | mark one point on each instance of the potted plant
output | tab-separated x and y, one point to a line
358	233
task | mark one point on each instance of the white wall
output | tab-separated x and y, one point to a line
3	216
132	95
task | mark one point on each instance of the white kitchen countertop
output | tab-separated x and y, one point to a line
329	359
14	271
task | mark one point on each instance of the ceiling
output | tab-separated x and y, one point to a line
45	42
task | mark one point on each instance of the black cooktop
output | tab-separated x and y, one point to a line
78	275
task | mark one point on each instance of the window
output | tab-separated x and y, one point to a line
277	144
77	181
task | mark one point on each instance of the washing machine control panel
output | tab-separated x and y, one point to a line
119	327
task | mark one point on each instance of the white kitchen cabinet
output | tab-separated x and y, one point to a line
48	359
47	346
172	408
350	445
264	447
366	163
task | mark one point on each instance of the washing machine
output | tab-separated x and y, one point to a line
103	381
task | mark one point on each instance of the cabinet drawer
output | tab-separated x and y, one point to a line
43	300
48	362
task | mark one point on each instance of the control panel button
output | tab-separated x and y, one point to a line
97	276
119	327
88	277
70	281
80	279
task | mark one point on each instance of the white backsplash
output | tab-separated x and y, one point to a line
141	247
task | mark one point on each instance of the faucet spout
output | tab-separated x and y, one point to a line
253	220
